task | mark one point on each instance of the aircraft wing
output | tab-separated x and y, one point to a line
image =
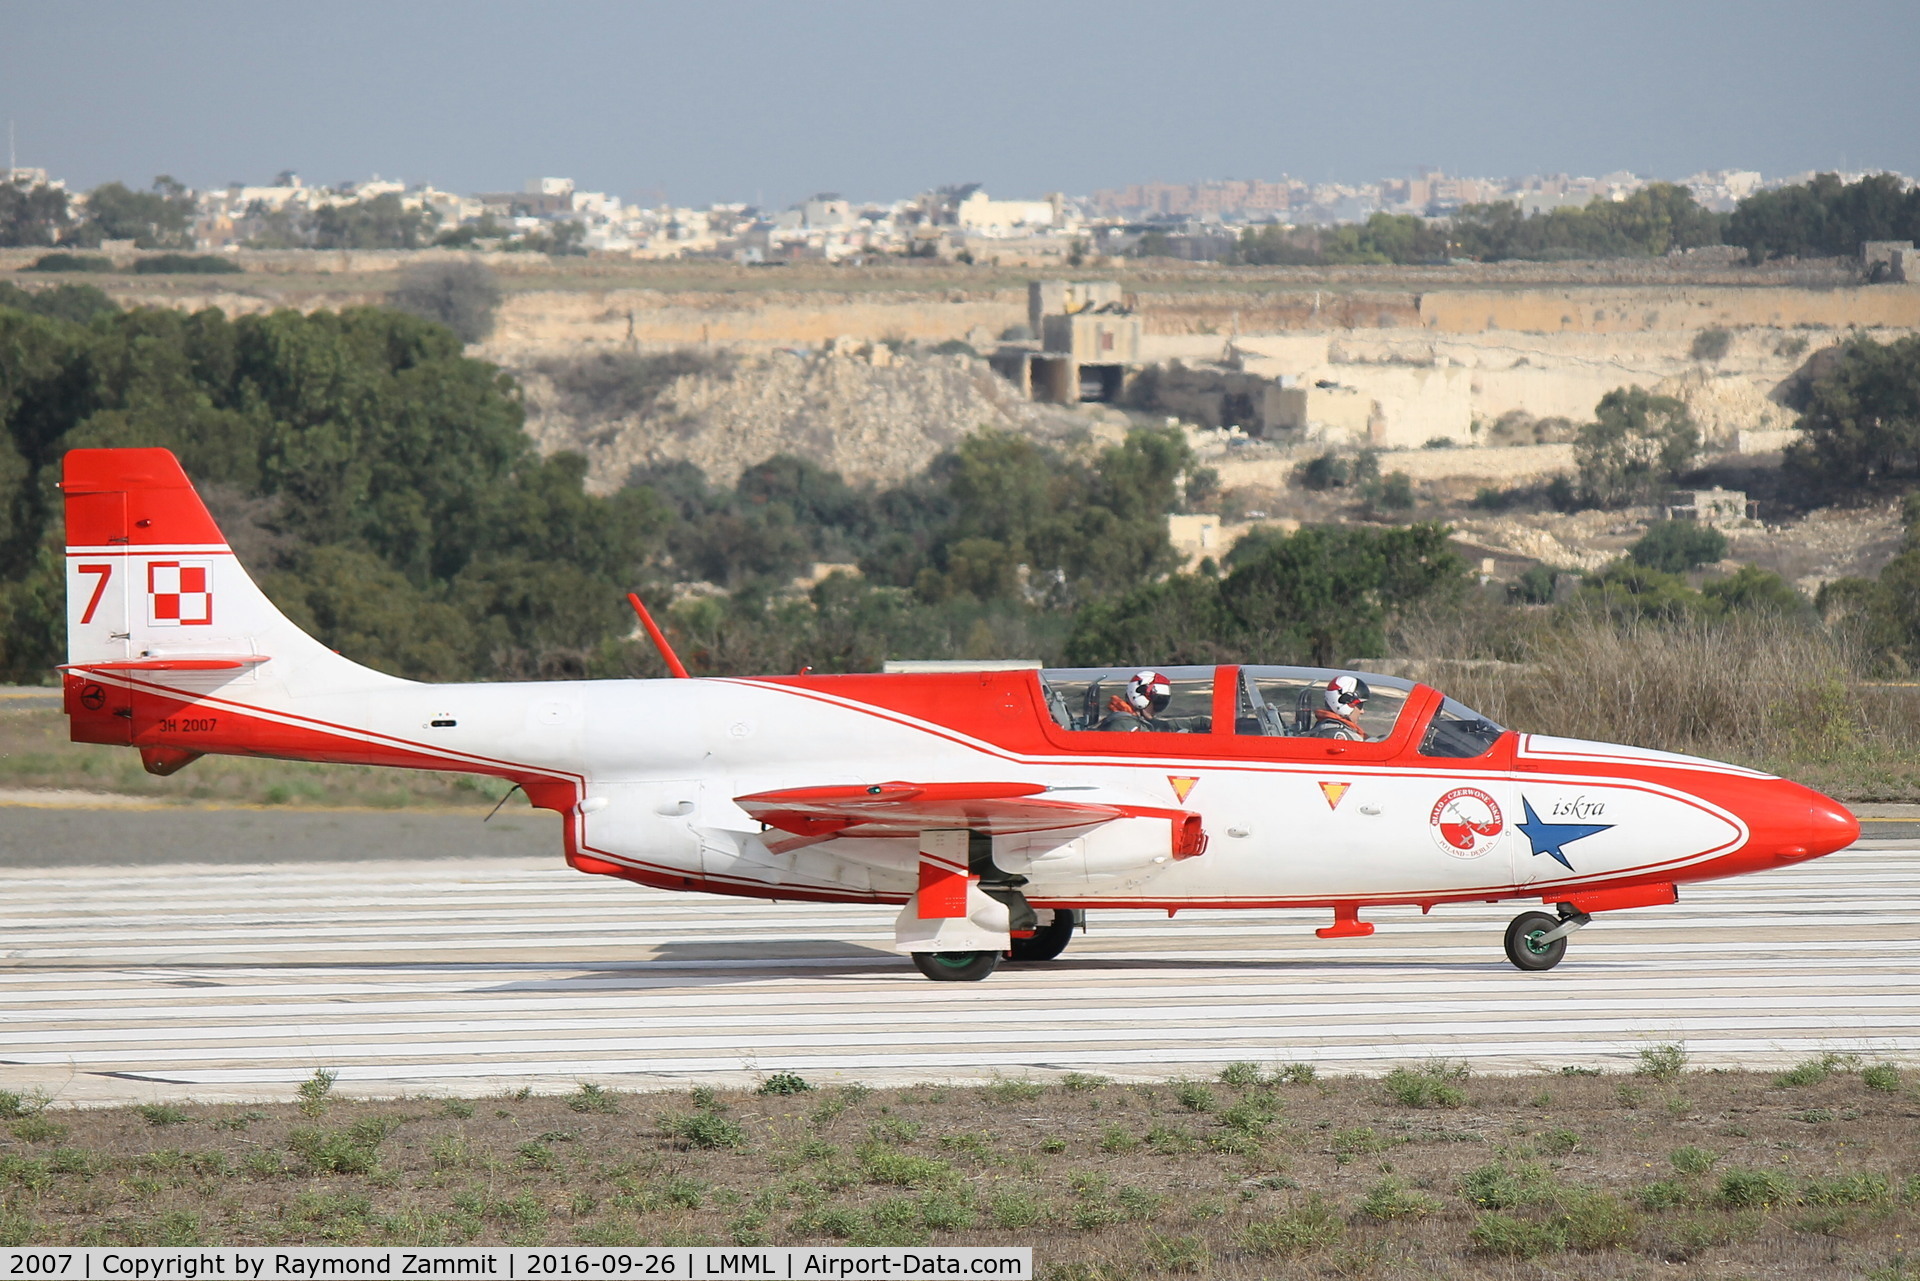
907	809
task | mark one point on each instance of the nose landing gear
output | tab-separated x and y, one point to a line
1537	941
955	967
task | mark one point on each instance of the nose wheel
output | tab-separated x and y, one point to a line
955	967
1529	945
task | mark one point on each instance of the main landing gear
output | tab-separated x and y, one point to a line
1537	941
1047	941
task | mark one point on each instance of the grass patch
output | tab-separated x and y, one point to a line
1314	1225
1662	1062
784	1083
1338	1180
1432	1085
708	1130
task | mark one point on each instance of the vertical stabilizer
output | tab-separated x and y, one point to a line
156	600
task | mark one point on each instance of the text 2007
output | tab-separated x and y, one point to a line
40	1265
189	725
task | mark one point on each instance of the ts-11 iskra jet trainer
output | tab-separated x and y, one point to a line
995	807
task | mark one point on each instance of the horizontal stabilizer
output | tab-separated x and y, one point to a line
172	663
906	809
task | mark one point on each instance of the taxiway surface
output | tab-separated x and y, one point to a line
146	978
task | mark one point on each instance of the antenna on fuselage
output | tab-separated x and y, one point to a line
659	638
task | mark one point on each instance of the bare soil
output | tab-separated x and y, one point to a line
1423	1173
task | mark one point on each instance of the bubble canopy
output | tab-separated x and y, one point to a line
1268	702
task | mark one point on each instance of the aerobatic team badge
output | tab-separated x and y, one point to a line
1181	786
179	593
1333	792
1466	822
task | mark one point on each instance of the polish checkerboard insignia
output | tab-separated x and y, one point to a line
179	593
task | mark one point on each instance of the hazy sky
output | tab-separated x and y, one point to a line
709	101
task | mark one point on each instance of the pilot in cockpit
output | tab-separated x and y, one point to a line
1148	694
1345	697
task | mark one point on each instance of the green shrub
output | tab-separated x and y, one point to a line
1011	1209
1881	1076
1430	1086
1745	1189
593	1098
1016	1091
1391	1199
335	1151
1511	1238
1083	1082
1310	1226
784	1083
1810	1072
538	1156
1559	1142
1847	1189
1692	1160
13	1105
1171	1140
1195	1097
894	1129
1502	1187
705	1130
314	1091
881	1164
1590	1219
1361	1140
79	1162
1241	1074
1710	344
37	1128
946	1212
1178	1254
1250	1116
1662	1194
71	262
1295	1074
1118	1138
1662	1062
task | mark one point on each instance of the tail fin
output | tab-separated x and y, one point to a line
155	597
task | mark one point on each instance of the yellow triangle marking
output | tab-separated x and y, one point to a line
1333	792
1181	786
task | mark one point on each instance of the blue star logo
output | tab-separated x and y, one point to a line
1553	838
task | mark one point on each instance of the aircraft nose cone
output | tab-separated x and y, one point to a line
1830	826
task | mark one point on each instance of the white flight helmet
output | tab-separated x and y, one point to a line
1347	696
1148	693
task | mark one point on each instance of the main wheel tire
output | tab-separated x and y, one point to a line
1049	940
955	967
1523	946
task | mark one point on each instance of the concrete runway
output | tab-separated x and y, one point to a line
151	978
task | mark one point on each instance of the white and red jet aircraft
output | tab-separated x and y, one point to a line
984	802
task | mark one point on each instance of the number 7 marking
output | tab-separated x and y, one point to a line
99	588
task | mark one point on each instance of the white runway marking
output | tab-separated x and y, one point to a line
235	982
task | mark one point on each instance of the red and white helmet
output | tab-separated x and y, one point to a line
1149	692
1347	695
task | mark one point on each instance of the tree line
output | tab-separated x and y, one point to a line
1823	218
380	485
